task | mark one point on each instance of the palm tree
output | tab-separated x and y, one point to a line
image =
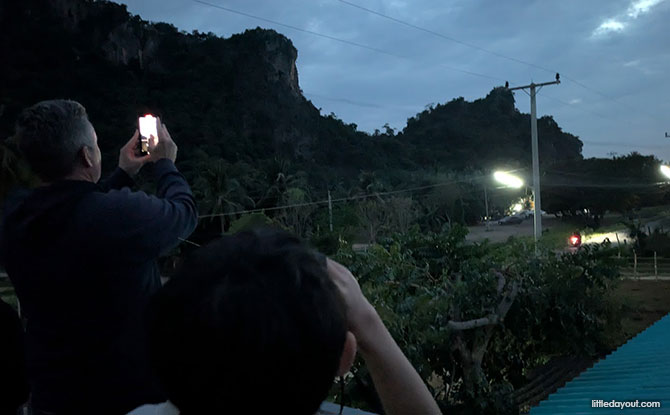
221	195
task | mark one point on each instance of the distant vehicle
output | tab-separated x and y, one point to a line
529	213
526	214
510	220
575	240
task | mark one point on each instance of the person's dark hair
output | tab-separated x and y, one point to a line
250	323
50	134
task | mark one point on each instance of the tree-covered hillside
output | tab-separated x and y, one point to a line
484	134
248	138
235	98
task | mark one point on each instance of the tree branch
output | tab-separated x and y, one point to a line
473	324
492	319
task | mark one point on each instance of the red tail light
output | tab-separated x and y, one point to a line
575	240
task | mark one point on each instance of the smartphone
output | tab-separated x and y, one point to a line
148	127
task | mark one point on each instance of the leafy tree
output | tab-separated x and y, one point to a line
473	318
249	221
591	187
297	217
219	194
402	213
373	216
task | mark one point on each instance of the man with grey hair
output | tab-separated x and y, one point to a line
81	254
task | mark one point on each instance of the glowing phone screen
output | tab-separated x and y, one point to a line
148	127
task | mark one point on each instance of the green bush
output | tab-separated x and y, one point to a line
421	282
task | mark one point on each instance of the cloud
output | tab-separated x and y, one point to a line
617	24
630	64
641	7
609	26
575	101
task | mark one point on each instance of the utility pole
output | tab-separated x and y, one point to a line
486	202
330	210
536	152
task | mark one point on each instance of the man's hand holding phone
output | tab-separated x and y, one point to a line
162	147
130	160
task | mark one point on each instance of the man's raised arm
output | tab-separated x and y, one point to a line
148	226
400	388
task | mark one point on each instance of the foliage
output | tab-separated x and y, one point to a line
221	195
648	242
484	134
591	187
422	282
249	221
246	134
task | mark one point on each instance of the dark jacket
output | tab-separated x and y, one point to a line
82	258
13	381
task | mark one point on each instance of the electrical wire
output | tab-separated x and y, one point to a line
494	53
545	183
472	73
443	36
359	103
351	198
299	29
348	42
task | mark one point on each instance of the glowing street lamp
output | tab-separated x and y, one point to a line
506	179
509	180
665	170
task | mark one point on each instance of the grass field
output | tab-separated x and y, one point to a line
644	303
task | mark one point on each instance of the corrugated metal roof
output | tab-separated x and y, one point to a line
639	370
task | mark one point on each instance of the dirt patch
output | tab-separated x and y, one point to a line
645	302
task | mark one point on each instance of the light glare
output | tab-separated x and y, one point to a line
508	180
148	127
665	170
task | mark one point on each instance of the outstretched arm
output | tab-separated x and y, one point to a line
399	386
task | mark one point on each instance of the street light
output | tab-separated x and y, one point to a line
506	179
509	180
665	170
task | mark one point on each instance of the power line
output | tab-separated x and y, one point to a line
449	38
601	143
351	198
589	142
348	42
311	32
491	52
357	103
605	185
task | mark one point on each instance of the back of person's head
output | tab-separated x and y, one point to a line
250	324
50	135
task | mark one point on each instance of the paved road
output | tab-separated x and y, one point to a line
500	233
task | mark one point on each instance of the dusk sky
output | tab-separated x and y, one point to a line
613	57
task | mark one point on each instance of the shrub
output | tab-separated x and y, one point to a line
474	318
